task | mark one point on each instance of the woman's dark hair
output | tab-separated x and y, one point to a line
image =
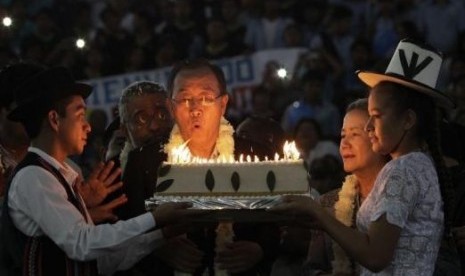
194	64
428	131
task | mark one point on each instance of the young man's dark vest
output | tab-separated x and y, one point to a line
24	255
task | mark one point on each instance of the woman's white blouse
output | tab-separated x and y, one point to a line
407	191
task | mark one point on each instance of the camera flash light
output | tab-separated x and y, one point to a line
80	43
7	21
282	73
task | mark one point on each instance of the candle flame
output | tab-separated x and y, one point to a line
183	155
290	151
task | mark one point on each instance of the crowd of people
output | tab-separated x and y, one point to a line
341	37
388	193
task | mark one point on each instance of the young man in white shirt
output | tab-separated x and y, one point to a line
46	228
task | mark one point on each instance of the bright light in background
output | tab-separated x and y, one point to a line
80	43
282	73
7	21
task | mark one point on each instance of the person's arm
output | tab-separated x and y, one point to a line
373	250
39	203
398	192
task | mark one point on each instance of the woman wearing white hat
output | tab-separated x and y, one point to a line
403	219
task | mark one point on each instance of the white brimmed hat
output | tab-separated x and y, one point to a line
413	65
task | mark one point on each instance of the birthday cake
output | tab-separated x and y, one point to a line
232	179
218	184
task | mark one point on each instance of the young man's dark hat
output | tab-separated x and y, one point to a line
12	76
38	94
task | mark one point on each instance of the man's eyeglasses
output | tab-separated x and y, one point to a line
207	100
144	118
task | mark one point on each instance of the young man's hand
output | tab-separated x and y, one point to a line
104	212
100	184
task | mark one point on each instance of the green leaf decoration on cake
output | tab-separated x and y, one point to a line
235	181
271	180
164	170
209	180
164	185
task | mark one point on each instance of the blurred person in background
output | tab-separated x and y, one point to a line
457	92
264	131
321	61
278	87
90	157
217	44
382	28
325	174
267	31
312	105
441	21
262	103
310	142
234	20
336	37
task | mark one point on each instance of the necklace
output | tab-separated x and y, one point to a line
224	146
344	212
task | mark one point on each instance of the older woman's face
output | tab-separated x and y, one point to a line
355	147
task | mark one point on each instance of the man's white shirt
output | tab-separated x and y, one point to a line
39	205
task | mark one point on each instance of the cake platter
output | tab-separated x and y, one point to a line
237	209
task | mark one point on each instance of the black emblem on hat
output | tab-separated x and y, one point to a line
411	70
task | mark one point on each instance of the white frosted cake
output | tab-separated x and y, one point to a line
235	179
238	189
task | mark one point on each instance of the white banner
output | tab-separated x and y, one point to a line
241	73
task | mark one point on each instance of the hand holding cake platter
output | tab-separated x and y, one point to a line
230	185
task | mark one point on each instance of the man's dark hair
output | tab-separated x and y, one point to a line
193	65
